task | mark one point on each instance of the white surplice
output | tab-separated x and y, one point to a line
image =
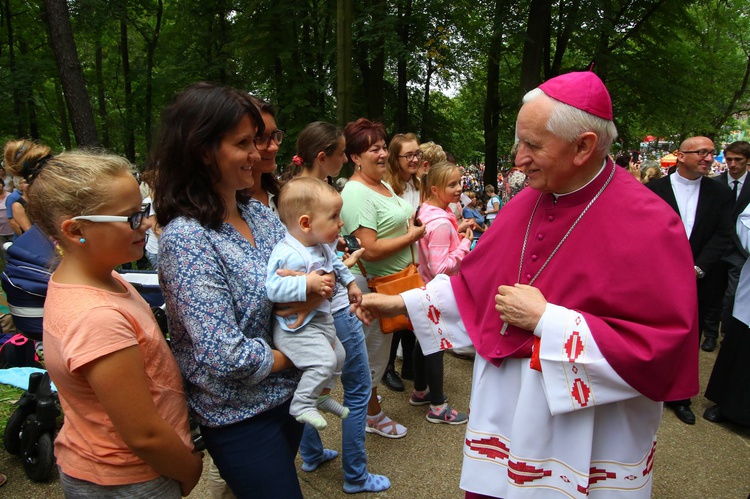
576	429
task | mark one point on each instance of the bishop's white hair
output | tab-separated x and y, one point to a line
567	122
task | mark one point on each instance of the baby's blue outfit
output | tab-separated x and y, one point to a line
313	347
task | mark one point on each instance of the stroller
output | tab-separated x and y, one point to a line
31	428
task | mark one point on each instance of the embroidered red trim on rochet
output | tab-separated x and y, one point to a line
435	316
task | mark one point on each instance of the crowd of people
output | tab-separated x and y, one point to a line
268	278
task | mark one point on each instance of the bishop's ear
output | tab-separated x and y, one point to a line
585	146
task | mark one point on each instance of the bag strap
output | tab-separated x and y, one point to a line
362	269
364	272
17	340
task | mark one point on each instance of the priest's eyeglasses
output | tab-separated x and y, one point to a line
700	152
411	155
135	220
263	142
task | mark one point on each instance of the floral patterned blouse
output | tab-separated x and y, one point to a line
220	316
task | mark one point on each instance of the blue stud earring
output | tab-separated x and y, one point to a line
82	240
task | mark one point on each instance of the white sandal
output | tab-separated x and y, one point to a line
384	426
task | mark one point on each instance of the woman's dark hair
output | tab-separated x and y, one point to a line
192	129
623	160
316	137
361	134
268	181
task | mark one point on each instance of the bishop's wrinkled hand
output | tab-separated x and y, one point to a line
520	305
374	305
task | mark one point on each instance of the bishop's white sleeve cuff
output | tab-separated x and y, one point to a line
434	316
575	373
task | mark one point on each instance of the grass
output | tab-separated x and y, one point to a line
8	396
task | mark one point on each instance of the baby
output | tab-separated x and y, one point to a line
311	211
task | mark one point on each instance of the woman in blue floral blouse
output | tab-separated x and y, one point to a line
213	258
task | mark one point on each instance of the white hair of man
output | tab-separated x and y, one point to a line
568	123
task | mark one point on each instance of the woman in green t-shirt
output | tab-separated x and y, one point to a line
384	224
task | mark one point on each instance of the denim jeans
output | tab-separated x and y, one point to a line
355	378
256	456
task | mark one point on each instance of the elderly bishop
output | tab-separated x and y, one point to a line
579	337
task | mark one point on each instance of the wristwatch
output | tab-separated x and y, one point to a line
699	272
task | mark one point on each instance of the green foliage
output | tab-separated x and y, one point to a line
673	67
8	397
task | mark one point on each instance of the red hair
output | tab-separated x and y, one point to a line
361	134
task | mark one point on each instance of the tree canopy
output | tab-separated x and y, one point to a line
451	71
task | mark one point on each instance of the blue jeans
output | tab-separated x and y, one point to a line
355	378
256	456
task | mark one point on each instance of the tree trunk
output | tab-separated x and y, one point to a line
375	86
426	132
150	73
344	16
567	24
402	107
100	93
127	77
12	66
26	93
492	100
736	96
33	125
63	45
537	29
64	131
373	73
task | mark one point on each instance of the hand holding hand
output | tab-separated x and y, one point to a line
374	305
469	234
355	294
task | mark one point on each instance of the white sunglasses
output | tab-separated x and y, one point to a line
135	219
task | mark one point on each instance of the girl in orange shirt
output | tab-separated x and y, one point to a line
126	431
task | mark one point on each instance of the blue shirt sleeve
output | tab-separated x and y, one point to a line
201	309
290	288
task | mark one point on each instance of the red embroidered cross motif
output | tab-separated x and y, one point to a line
491	447
650	460
573	346
445	344
433	314
522	473
597	475
583	490
581	392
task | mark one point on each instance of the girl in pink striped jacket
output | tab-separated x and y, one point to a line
440	252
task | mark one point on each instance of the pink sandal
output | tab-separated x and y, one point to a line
384	426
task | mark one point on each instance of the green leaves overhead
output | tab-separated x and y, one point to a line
673	67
